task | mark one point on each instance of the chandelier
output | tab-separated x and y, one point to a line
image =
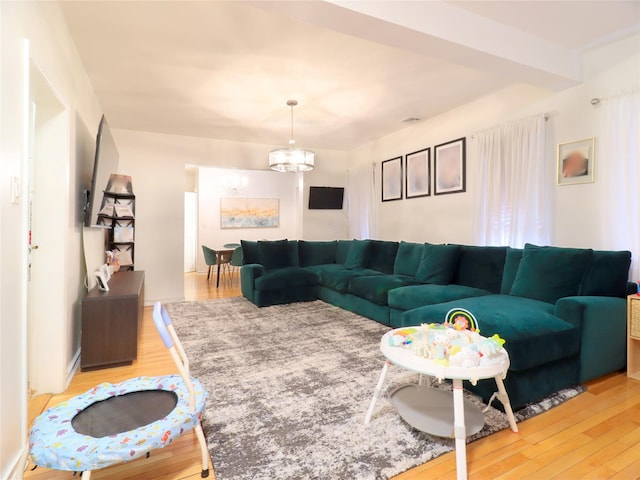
291	159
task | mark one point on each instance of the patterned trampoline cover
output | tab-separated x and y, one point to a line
54	443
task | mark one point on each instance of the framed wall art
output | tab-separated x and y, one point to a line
576	162
418	174
449	165
249	212
392	179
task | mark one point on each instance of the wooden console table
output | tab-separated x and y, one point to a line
111	322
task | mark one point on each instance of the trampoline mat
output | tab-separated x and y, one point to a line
123	413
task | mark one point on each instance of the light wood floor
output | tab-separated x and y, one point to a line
594	436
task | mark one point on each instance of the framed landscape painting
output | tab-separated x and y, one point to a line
576	162
418	174
450	167
392	179
249	212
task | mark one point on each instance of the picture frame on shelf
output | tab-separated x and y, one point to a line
392	179
450	167
576	162
104	270
101	280
418	173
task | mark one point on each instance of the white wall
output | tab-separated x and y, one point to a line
53	51
577	214
260	184
157	163
331	171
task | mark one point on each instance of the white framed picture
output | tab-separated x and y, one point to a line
103	284
576	162
104	270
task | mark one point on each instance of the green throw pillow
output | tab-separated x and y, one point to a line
250	252
408	258
317	253
358	254
438	263
511	264
608	274
278	254
550	273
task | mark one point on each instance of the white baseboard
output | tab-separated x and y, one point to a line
19	465
72	368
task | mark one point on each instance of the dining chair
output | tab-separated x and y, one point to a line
237	260
210	258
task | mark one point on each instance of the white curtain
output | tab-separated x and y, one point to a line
511	194
619	156
362	204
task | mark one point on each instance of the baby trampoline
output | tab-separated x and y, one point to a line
114	423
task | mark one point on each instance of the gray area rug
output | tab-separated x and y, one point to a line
289	387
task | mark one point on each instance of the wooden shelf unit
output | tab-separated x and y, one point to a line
633	337
116	222
111	322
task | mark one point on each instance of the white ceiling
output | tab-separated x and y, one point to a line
578	25
225	69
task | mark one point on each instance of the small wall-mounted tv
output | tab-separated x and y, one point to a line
326	198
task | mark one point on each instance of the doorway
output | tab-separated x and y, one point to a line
48	184
190	231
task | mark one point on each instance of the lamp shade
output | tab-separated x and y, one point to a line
291	160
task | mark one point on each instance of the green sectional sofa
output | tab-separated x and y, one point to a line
562	311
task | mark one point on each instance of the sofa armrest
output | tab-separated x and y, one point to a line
602	322
248	275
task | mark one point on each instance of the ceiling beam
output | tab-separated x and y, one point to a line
440	30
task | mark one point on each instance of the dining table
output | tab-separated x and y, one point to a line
220	254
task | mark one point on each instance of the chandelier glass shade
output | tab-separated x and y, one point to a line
291	159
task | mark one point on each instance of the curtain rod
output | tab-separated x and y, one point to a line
545	115
625	91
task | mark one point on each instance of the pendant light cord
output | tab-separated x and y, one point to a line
291	139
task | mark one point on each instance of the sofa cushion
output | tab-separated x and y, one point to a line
382	256
550	273
316	253
408	258
607	275
338	280
480	267
278	254
534	336
288	277
342	251
250	252
318	269
438	263
511	264
376	288
408	298
358	254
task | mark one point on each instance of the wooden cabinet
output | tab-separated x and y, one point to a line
633	336
111	322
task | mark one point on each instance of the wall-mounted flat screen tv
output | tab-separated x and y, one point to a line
105	163
326	198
